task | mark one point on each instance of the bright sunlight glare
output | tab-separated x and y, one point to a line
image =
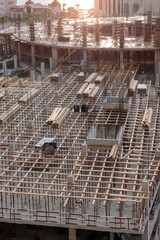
84	4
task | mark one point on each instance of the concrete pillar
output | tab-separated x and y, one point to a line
116	10
4	69
157	83
157	61
107	8
55	57
104	7
72	234
32	75
149	17
121	60
51	64
85	55
19	52
42	70
121	9
111	2
15	62
11	149
84	149
30	124
33	55
145	187
111	236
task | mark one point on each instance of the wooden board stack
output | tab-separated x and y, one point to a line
132	87
147	118
6	115
9	81
28	96
58	116
113	152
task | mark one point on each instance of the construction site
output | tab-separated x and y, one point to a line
80	126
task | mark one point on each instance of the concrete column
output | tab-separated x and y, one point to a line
121	60
85	55
19	52
42	70
51	64
116	10
149	17
107	8
104	7
84	149
72	234
111	236
157	61
157	83
33	55
15	62
111	2
145	187
4	69
11	149
32	75
55	57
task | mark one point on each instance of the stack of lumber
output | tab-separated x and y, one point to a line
132	87
58	116
4	117
99	79
90	91
147	118
113	152
2	80
91	78
9	81
84	86
28	96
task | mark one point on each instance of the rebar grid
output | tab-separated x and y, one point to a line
34	187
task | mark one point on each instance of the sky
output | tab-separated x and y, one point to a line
85	4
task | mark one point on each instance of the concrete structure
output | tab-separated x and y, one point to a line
108	182
5	6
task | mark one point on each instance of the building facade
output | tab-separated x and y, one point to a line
5	6
21	11
113	8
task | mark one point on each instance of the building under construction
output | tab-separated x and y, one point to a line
80	126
